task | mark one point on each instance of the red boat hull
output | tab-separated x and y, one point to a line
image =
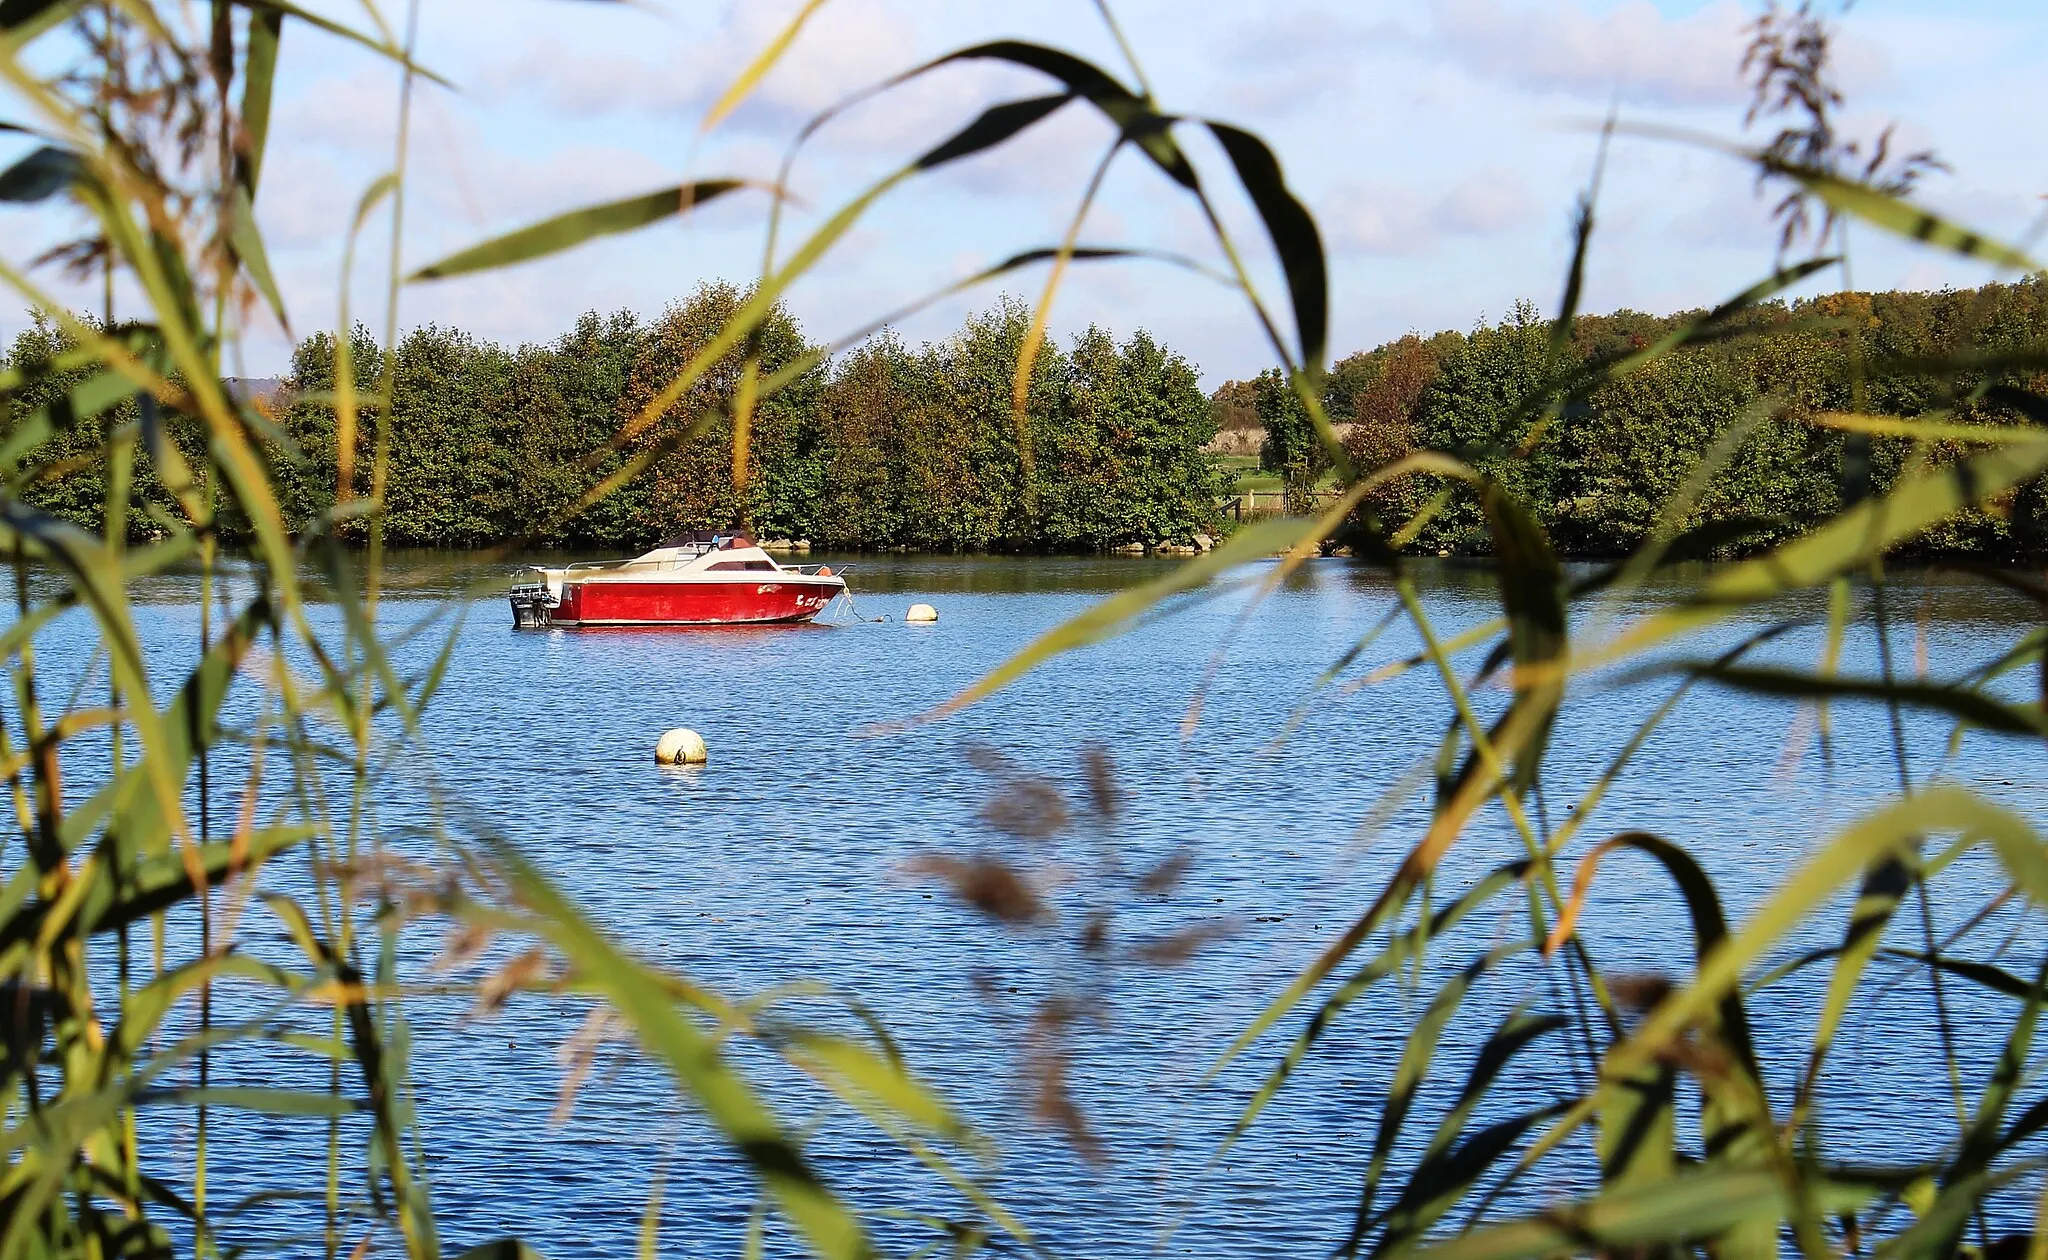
753	602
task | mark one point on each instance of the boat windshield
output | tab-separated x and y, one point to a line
698	541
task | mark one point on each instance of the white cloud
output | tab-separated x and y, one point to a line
1631	51
676	72
1429	135
1283	61
1486	203
1402	220
354	112
1376	219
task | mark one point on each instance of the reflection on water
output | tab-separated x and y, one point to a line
785	859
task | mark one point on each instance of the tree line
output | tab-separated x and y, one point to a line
1752	407
887	445
890	445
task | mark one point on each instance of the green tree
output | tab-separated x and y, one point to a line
1384	427
1123	462
862	414
1479	407
588	368
1292	447
307	484
690	482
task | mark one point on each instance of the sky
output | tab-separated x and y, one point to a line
1441	145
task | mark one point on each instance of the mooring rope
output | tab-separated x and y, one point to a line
846	593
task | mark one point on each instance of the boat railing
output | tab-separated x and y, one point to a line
812	570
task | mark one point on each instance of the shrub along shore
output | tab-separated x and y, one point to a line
1757	405
893	446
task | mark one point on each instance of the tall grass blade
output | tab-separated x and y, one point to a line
1900	217
750	78
259	80
1114	615
1853	538
1397	954
1689	1207
694	1060
567	230
1294	236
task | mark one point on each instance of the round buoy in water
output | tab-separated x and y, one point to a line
681	747
921	612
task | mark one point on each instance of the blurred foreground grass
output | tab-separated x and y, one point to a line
125	904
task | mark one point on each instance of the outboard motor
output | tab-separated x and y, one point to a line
533	603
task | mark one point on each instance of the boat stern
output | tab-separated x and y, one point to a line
534	601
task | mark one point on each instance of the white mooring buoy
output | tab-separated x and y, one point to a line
921	612
681	747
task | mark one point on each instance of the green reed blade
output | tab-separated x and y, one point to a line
97	393
1383	910
245	239
1935	1232
1965	704
1532	595
1927	428
750	78
1517	1032
382	47
1133	116
143	1008
43	174
2025	1125
1398	952
1417	1053
1900	217
1942	808
23	20
992	127
1713	324
1981	1142
161	881
567	230
1689	1206
1582	248
362	631
847	1066
1988	976
1939	809
96	573
1293	233
1440	1182
1852	538
1114	615
693	1059
259	77
126	804
501	1249
650	1216
1709	930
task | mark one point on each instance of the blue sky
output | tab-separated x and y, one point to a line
1441	144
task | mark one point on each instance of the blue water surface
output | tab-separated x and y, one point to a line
792	856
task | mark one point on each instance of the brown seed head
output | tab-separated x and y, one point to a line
986	884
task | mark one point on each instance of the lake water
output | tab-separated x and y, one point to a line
787	858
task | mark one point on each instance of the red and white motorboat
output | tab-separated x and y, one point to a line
700	578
